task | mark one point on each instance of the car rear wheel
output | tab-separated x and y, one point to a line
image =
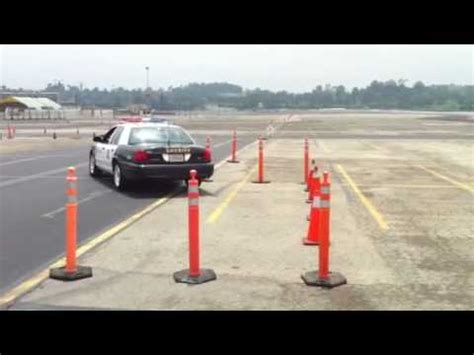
119	181
93	170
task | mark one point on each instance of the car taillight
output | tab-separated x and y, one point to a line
140	156
206	155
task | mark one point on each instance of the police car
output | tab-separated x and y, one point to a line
144	150
155	119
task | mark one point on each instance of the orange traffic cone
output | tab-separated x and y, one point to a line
310	175
311	187
323	277
312	237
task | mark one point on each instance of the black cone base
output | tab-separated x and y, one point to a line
309	201
260	182
312	279
205	276
82	272
233	161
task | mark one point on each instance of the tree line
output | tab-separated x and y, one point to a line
378	95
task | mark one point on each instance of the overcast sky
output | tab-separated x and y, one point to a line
274	67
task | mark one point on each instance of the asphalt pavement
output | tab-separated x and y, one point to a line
32	190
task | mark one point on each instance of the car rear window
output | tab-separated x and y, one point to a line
159	135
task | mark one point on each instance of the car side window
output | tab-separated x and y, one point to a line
116	136
108	135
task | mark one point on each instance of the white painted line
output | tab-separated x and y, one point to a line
323	147
42	177
31	159
39	175
370	145
89	197
221	144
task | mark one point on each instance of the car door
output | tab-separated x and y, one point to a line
101	150
111	148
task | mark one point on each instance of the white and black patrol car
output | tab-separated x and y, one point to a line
132	151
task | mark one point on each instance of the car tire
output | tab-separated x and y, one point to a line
120	182
93	169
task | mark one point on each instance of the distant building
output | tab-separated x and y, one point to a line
18	103
27	93
15	107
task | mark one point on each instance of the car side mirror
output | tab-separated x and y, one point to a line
98	139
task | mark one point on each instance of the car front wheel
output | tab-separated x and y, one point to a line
93	170
119	180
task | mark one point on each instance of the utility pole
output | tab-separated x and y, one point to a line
59	91
147	77
147	89
79	102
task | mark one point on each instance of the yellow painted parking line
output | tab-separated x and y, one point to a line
23	288
452	181
365	201
218	211
34	281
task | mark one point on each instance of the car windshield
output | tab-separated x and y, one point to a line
159	135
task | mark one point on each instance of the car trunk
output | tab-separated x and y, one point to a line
174	154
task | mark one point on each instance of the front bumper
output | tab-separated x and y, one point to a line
166	171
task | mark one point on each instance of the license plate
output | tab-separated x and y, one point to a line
176	158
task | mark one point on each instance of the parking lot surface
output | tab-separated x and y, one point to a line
32	190
402	226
